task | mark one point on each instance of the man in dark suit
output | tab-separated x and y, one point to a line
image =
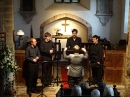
75	71
95	58
74	40
32	54
47	48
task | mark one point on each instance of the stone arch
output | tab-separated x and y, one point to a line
69	16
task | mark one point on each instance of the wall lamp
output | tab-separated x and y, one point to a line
20	33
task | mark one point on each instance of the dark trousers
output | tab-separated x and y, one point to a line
32	75
47	70
74	80
97	72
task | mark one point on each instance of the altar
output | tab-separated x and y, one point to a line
60	37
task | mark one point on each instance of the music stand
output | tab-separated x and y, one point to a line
42	80
57	79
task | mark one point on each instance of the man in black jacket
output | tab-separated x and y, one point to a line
32	54
47	47
74	40
95	57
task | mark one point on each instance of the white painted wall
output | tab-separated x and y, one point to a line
46	9
125	15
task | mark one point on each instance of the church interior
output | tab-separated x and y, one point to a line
21	20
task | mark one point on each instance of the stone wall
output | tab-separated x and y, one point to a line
7	20
126	92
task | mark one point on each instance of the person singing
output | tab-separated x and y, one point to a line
74	40
32	55
47	47
95	58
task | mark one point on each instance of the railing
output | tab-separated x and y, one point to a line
23	43
113	46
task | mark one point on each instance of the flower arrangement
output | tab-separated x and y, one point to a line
57	30
8	67
7	61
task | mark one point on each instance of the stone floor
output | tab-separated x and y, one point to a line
49	91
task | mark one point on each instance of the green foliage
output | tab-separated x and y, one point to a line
7	60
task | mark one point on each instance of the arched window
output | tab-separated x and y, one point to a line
126	16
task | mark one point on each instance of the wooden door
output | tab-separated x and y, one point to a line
20	58
115	64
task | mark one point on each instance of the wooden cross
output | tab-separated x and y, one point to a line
65	25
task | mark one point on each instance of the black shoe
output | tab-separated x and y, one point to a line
34	91
29	93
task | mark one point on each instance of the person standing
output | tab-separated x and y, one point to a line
95	58
76	71
47	48
74	40
32	54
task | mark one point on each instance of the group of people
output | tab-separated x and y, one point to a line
47	48
94	55
33	53
108	91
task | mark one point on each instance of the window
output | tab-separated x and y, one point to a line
66	1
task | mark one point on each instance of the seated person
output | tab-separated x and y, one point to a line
108	91
116	93
76	91
101	85
95	93
75	71
83	85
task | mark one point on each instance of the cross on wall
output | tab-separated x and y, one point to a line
65	24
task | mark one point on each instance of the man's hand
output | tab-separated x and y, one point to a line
51	51
98	62
65	49
34	60
37	58
83	49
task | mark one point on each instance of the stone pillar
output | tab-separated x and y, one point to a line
126	92
7	20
